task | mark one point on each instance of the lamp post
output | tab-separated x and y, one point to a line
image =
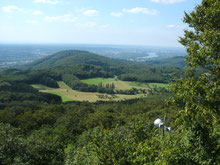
159	123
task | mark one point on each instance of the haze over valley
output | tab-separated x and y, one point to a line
12	55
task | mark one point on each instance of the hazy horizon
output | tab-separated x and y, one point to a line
88	44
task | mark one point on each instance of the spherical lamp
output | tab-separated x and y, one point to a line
158	123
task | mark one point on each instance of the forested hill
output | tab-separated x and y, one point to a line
37	128
72	66
178	61
73	57
72	60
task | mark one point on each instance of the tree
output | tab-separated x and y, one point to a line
11	145
197	96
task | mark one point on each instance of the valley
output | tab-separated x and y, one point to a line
15	55
65	105
76	75
110	100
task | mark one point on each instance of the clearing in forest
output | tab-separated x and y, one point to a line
67	94
148	85
123	85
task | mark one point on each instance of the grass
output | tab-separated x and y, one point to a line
148	85
159	85
55	91
63	85
67	94
137	84
63	97
119	85
95	81
41	87
123	85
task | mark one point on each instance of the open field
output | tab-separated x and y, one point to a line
67	94
41	87
119	85
159	85
123	85
63	85
148	85
96	81
64	98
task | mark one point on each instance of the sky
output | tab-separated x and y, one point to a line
124	22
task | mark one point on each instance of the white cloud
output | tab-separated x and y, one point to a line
37	12
168	1
175	26
171	26
91	13
53	2
141	10
64	18
114	14
12	8
31	21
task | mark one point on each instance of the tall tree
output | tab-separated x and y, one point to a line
197	96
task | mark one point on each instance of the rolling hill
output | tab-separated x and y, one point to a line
178	61
73	57
73	66
84	64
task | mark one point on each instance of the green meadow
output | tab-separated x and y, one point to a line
41	87
63	97
148	85
67	94
95	81
98	80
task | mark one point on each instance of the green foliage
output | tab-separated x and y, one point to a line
72	66
98	146
19	97
64	98
86	65
44	77
42	147
146	74
96	81
46	131
122	133
197	95
178	61
11	146
72	57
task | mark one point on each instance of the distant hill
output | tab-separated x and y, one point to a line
72	66
72	57
178	61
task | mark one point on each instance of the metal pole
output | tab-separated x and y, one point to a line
164	120
163	130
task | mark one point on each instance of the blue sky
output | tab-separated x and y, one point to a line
127	22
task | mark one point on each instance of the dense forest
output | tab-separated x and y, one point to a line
178	61
54	134
37	128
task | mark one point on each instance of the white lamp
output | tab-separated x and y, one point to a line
158	123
